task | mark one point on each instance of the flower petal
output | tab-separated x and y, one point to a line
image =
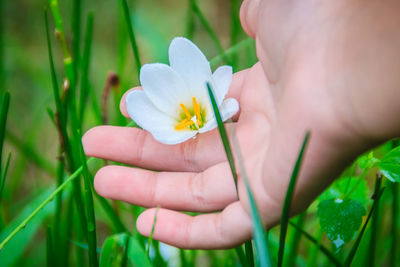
191	64
222	78
228	108
151	119
164	87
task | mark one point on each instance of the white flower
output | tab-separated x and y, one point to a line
174	104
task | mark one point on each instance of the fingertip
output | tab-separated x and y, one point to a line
122	104
101	180
144	222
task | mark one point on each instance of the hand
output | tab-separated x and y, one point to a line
317	73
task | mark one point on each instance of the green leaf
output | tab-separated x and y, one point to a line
390	165
352	187
113	251
367	161
340	219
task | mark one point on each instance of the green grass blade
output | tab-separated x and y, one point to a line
15	248
5	103
132	36
30	153
259	234
322	248
189	30
111	251
43	204
233	51
235	27
356	244
150	239
85	66
295	241
210	31
370	260
91	221
4	175
249	253
288	201
76	32
49	247
395	224
224	136
2	80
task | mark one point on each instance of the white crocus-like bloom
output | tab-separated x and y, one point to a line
174	104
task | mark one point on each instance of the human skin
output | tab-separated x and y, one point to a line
331	67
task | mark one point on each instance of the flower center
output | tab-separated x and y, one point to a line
191	119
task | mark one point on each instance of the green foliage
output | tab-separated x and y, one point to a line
390	165
340	219
118	245
355	188
367	161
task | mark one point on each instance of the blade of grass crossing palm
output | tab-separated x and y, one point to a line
259	233
353	251
132	37
288	200
5	103
322	248
85	66
210	31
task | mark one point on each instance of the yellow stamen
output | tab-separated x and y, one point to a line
186	111
196	108
183	124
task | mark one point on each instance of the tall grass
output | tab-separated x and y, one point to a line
49	211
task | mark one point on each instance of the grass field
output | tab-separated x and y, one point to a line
46	105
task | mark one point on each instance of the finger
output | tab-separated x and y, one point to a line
137	147
227	229
234	91
211	190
